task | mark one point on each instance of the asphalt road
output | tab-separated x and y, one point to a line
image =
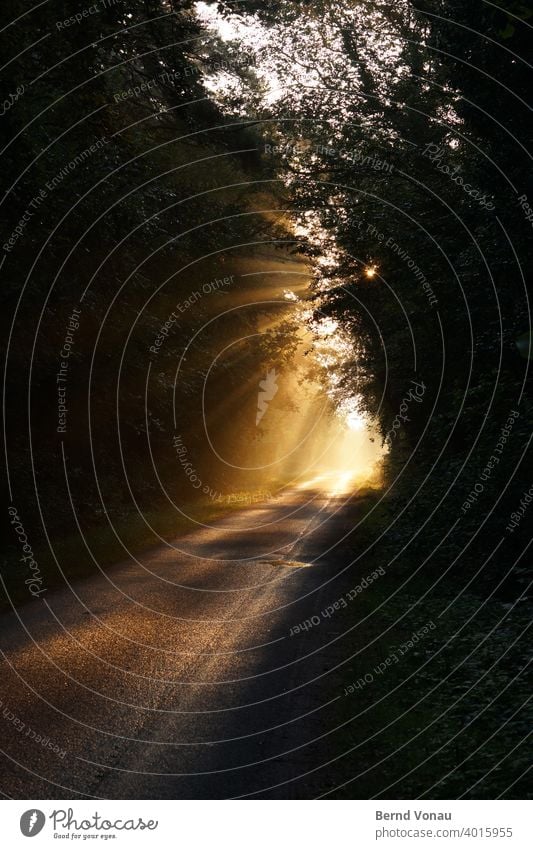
178	677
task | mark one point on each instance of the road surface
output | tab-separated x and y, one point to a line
178	677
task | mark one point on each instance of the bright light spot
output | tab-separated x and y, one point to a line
289	295
350	413
312	483
332	483
370	271
329	260
355	421
342	483
227	29
326	327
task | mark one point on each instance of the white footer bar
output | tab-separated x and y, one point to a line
268	824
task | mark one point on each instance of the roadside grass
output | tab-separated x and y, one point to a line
448	716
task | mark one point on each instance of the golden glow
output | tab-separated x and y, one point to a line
333	483
371	271
341	483
312	483
355	421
